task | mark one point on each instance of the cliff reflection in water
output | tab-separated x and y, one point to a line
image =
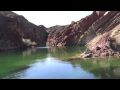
107	68
29	51
14	61
64	53
46	62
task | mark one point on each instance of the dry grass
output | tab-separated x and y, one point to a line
115	31
94	41
115	35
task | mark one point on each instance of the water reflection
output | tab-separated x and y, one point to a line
51	63
52	69
108	68
15	75
63	53
29	51
15	61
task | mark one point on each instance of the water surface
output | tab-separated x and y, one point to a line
52	63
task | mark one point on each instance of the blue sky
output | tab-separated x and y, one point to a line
51	18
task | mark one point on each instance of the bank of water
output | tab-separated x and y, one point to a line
52	63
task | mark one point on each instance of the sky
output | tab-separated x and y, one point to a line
52	18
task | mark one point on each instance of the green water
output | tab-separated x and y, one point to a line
52	63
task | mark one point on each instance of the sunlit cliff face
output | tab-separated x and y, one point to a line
101	12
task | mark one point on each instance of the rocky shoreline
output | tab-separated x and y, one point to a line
106	39
100	32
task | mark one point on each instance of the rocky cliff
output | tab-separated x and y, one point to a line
69	35
16	32
105	41
100	32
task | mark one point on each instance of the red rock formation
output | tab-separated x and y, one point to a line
70	34
106	38
101	48
16	32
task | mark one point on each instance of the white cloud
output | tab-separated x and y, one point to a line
51	18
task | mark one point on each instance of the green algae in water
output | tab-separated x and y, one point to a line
51	63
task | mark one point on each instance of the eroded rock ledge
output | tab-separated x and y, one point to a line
105	41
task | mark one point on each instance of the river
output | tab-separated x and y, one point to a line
52	63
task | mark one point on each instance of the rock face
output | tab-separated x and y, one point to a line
105	41
98	27
100	32
16	32
69	35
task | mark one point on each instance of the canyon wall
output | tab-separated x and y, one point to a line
69	35
105	41
16	32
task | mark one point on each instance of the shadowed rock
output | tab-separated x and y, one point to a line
16	32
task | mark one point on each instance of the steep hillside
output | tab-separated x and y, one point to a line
17	33
69	35
105	41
